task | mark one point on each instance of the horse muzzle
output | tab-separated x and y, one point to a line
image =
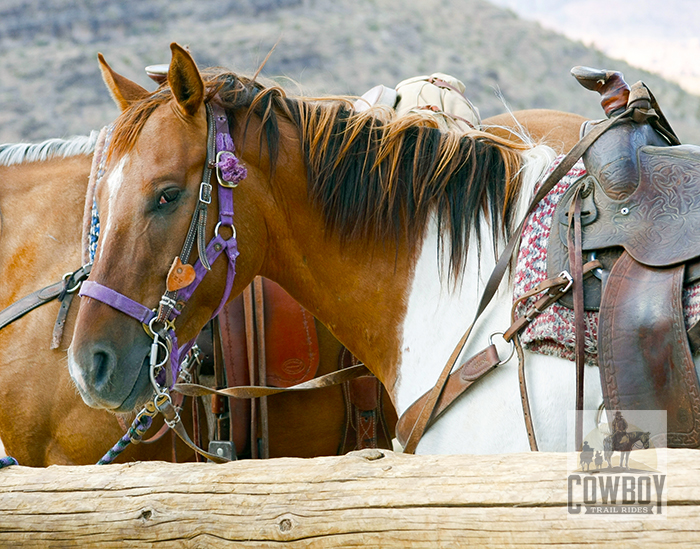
110	380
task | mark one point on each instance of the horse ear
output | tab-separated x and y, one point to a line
123	91
185	81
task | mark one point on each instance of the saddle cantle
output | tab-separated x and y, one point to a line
640	216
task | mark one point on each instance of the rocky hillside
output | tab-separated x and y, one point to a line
50	84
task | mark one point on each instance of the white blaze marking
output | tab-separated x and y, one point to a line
114	183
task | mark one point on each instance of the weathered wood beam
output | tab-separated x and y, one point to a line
365	499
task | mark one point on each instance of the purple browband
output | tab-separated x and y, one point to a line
232	172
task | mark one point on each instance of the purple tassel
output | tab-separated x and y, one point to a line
232	171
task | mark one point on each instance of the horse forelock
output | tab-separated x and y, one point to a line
18	153
236	92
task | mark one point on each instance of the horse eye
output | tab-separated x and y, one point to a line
168	196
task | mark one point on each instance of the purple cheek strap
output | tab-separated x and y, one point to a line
229	173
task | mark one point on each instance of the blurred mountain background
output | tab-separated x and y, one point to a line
50	83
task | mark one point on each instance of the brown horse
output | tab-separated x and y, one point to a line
560	130
364	218
43	421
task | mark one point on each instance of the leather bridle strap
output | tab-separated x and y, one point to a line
499	271
36	299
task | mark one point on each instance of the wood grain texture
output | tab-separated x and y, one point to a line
364	499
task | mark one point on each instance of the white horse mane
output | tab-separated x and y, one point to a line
18	153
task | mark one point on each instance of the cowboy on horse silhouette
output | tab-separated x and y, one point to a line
619	427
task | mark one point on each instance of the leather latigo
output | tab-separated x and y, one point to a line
458	382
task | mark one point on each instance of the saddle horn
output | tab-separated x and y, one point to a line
158	73
611	86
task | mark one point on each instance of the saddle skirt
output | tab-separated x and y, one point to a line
552	332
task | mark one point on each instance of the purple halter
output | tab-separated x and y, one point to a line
229	172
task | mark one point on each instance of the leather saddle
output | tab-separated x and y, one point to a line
640	216
266	321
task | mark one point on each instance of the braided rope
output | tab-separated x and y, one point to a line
7	461
135	433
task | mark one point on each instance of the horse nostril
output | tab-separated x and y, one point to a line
101	364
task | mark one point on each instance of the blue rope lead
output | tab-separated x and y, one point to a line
135	433
7	461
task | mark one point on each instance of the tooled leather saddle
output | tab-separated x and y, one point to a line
640	216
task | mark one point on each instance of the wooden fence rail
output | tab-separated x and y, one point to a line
364	499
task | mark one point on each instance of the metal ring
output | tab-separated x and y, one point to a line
150	325
157	367
167	325
512	345
74	288
597	272
216	230
167	354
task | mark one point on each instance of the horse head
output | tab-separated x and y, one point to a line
151	188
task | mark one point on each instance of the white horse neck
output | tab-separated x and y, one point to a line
489	418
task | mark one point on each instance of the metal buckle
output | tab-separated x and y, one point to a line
570	281
205	193
223	448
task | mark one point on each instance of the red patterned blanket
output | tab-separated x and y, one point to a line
552	332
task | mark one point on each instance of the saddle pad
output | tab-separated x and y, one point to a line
552	332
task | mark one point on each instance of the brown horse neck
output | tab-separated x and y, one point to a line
344	285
